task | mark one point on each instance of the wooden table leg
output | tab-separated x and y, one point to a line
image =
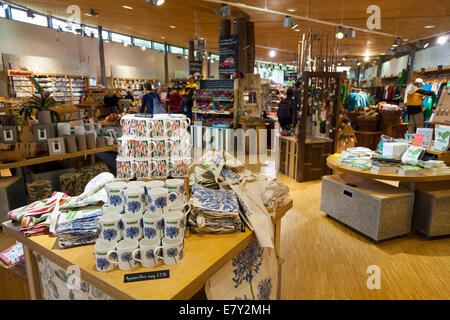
33	278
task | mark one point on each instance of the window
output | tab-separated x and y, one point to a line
89	31
142	43
92	82
116	37
176	50
21	15
186	52
65	26
2	13
158	46
215	57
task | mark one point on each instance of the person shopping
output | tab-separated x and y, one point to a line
111	101
414	104
175	102
151	102
286	111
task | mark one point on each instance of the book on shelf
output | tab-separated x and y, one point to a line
384	169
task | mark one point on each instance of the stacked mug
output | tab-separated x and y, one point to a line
156	147
142	223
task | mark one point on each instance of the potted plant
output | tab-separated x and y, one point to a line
41	102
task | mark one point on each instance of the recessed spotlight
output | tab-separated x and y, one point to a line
297	30
163	37
291	9
406	40
127	7
394	45
272	53
173	27
430	27
366	58
442	39
160	2
340	33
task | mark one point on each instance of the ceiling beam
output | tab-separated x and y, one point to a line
244	6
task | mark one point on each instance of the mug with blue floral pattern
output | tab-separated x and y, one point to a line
134	200
132	226
101	248
123	255
146	253
114	191
177	186
175	224
172	251
153	224
159	200
111	227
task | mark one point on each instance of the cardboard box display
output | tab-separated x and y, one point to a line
43	132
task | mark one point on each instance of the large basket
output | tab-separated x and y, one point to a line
389	117
367	123
353	116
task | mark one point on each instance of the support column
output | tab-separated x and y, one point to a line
166	64
380	65
102	55
412	55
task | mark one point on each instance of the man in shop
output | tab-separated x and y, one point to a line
285	112
188	103
151	102
129	96
414	104
111	101
175	102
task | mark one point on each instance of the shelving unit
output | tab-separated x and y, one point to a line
131	84
66	89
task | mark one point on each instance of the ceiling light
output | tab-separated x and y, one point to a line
159	2
92	12
394	45
127	7
398	41
351	33
406	40
366	58
430	27
173	27
426	45
343	59
272	53
358	64
294	25
442	39
340	33
163	37
143	48
291	9
297	30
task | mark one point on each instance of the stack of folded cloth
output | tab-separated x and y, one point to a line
78	226
34	217
203	177
214	211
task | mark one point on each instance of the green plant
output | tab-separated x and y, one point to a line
42	101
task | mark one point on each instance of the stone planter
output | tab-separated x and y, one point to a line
44	117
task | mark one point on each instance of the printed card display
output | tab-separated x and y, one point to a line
442	138
412	155
418	140
428	136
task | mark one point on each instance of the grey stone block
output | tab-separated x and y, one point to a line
12	195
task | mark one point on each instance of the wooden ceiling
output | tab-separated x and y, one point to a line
405	18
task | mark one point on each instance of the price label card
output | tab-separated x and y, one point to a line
144	276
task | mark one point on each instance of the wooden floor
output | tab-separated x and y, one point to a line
326	260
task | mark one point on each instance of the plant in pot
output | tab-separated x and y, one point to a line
41	102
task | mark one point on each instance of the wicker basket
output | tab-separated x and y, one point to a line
389	117
368	123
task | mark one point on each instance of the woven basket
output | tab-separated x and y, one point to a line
389	117
368	124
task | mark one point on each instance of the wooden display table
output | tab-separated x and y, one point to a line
336	165
32	161
203	256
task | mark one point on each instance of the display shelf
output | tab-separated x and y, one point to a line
213	112
44	159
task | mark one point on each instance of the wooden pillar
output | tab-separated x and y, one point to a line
191	56
102	55
240	29
166	64
251	47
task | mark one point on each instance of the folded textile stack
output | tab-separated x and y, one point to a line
77	227
214	211
35	217
203	177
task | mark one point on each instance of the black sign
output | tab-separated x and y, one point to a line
439	68
422	70
217	84
195	68
228	61
144	276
